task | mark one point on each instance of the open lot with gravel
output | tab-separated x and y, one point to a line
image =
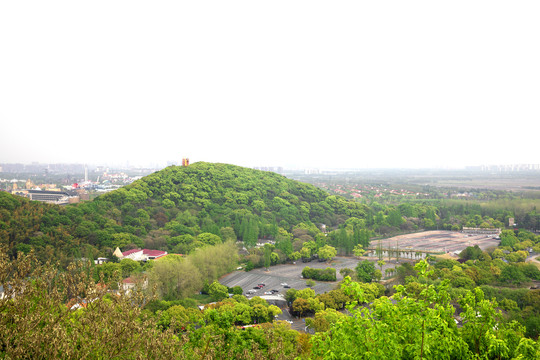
437	241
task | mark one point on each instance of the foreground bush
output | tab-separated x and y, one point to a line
48	314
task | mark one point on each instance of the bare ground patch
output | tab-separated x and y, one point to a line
437	241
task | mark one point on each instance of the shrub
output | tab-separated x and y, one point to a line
328	274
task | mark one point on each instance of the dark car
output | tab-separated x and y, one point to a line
287	286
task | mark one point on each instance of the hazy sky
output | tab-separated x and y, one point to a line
351	84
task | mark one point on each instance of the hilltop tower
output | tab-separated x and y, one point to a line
185	162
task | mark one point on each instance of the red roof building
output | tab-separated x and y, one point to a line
143	255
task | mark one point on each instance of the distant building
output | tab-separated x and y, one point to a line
142	254
130	283
47	196
117	253
101	260
185	162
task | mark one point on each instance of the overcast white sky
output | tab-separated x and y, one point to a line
353	84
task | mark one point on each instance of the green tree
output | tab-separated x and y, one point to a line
175	278
209	239
365	271
358	250
305	253
217	291
295	256
327	252
394	218
129	266
381	263
267	251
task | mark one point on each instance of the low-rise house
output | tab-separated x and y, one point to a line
142	254
101	260
129	283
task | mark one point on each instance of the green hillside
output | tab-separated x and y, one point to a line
171	210
225	192
179	209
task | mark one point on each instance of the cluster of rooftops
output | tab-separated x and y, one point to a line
139	254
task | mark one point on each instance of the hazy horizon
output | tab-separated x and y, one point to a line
272	167
306	84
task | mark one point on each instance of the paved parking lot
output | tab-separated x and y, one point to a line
286	273
290	274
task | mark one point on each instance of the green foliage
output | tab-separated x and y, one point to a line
327	253
66	315
420	324
365	271
129	266
202	198
39	320
217	291
322	320
328	274
175	279
471	253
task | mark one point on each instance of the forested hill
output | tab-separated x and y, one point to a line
179	209
225	192
175	209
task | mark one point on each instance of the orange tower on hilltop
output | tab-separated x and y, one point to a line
185	162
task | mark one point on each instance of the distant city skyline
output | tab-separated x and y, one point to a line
304	84
100	167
